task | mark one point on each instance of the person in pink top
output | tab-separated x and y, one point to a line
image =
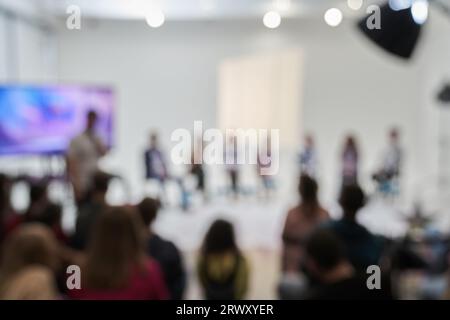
116	266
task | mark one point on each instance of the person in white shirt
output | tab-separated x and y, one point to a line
392	159
83	154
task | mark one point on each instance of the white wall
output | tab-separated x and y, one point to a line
166	78
28	50
28	54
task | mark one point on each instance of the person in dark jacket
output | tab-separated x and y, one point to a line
163	251
362	247
155	164
337	279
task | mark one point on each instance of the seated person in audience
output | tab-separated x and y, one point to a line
363	248
300	222
6	212
29	263
222	269
90	210
51	217
326	259
116	265
163	251
38	202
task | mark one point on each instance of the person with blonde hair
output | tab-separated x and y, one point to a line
29	263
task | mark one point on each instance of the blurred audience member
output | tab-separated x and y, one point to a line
39	201
363	248
83	154
155	164
90	210
163	251
326	260
6	211
300	222
222	269
350	157
51	217
29	262
117	266
308	158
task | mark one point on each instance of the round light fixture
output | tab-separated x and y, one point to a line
419	11
272	19
355	4
155	18
333	17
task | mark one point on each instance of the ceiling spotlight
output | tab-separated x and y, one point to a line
355	4
397	5
272	19
282	5
155	18
333	17
419	11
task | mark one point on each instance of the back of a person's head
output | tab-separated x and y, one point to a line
30	245
325	249
148	209
5	188
51	215
38	191
307	189
352	199
101	182
116	246
220	238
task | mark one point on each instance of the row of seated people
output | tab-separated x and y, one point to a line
119	255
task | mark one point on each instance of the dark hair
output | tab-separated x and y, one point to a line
5	189
38	191
220	238
148	210
51	215
307	189
352	199
394	132
325	249
92	113
101	182
350	143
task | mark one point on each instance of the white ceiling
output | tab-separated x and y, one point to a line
188	9
191	9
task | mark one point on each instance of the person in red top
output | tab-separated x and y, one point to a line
116	266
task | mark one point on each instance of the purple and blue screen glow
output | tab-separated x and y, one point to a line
43	120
